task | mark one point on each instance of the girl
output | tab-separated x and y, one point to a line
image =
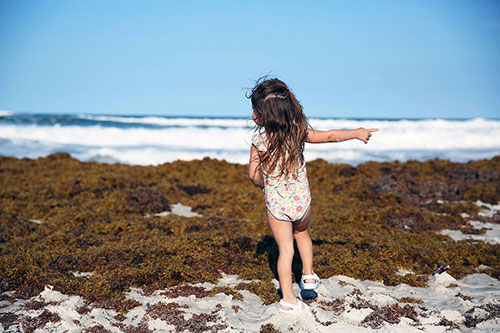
278	167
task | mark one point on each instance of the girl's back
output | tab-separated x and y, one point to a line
281	127
262	142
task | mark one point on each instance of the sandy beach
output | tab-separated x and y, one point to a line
185	247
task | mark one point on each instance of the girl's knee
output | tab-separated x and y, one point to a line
286	252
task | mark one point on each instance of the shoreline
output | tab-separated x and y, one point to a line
196	222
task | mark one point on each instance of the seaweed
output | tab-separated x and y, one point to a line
228	291
268	328
391	314
30	324
173	315
410	300
59	216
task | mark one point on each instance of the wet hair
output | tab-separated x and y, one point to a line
278	112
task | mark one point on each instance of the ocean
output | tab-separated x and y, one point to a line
153	140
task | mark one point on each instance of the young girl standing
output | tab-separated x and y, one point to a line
277	166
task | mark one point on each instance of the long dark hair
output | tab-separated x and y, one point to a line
279	113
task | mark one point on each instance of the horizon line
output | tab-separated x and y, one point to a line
21	112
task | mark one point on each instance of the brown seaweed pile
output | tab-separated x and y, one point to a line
59	216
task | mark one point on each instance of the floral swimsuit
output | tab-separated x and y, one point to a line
287	197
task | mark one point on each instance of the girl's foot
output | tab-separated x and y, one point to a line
293	307
306	274
309	281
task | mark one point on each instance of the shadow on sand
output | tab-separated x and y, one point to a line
268	245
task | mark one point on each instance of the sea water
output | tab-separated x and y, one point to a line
153	140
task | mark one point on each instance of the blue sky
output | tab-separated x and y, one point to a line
361	59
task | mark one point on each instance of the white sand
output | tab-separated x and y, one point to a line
403	272
492	234
358	298
178	209
82	274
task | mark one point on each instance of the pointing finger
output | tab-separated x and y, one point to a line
373	129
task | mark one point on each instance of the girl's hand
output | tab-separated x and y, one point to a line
365	134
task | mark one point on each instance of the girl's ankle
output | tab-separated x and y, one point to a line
293	300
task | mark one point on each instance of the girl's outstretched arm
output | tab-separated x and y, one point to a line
363	134
254	168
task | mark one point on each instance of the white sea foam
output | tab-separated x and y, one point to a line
433	134
229	139
181	121
189	137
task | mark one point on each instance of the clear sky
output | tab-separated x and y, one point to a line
361	59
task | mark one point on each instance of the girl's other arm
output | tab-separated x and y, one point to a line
361	133
254	168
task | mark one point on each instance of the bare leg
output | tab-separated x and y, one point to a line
283	234
304	244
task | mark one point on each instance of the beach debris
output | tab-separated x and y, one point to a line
441	269
35	221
